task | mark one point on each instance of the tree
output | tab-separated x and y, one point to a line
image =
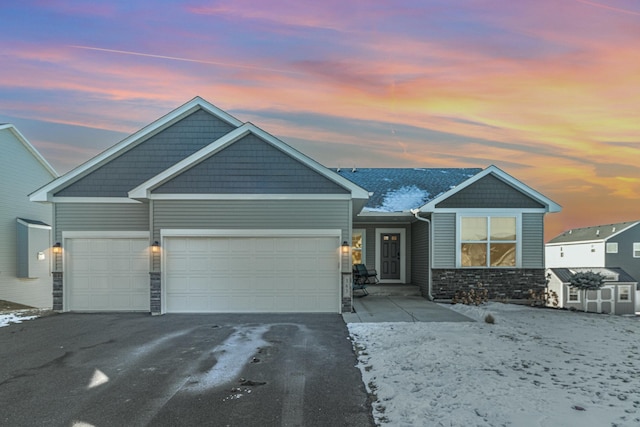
586	281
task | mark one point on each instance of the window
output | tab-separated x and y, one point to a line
574	295
357	247
636	250
612	248
624	293
488	241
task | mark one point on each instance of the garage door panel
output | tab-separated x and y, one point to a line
252	274
107	274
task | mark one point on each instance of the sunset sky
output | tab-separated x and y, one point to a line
547	90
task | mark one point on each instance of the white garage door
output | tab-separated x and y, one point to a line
252	274
107	274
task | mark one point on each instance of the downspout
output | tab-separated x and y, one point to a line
415	213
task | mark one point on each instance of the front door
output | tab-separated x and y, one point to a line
390	256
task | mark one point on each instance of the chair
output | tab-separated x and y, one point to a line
363	277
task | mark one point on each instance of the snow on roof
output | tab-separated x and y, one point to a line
403	189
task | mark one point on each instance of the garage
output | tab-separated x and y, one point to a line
264	273
107	273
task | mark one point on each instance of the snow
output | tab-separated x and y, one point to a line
533	367
15	317
402	199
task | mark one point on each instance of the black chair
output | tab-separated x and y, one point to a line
363	277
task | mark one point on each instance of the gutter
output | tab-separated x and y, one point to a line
415	213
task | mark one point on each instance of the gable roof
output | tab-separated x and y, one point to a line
403	189
550	205
46	192
16	133
145	189
615	275
593	233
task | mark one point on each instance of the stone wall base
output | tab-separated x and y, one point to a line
156	293
502	283
57	291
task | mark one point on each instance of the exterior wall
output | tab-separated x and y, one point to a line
444	240
616	307
533	240
150	157
500	282
250	166
624	258
371	257
569	255
489	192
420	256
21	174
555	284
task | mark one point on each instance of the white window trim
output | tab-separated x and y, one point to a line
619	293
490	213
611	247
636	249
578	293
363	251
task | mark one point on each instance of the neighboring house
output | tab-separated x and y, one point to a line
25	227
617	296
611	245
199	212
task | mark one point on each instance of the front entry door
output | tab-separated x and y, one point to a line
390	256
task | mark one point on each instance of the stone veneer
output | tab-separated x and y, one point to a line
57	291
500	282
156	298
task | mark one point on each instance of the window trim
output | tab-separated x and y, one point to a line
577	293
611	247
619	293
636	249
489	214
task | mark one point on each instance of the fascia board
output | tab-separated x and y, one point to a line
550	204
35	153
42	194
241	196
92	200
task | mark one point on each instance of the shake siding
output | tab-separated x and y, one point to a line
101	217
20	174
444	240
532	240
250	214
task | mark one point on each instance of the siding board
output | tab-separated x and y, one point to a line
444	240
532	240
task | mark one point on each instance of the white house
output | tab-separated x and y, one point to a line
25	226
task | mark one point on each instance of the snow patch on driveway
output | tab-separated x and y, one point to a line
231	357
8	318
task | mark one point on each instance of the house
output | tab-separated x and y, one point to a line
617	295
25	227
199	212
610	245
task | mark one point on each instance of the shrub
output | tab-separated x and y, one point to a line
489	319
543	297
472	297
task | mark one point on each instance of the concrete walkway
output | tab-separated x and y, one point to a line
381	308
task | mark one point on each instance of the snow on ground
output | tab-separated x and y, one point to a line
14	317
533	367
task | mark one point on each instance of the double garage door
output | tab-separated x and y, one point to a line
206	274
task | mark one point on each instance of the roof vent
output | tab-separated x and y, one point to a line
597	232
570	231
354	169
338	170
613	230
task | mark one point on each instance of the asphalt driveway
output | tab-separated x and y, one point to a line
220	370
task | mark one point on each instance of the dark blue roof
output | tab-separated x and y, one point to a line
398	190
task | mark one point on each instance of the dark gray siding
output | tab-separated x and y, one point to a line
532	240
624	258
250	165
489	192
251	214
420	255
150	157
444	240
100	217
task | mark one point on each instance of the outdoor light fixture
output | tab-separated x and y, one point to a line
345	247
57	248
155	248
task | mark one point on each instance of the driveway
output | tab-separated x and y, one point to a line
224	370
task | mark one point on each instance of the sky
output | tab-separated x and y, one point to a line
547	90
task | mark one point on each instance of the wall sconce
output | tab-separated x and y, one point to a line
57	248
345	247
155	248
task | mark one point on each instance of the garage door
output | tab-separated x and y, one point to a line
107	274
252	274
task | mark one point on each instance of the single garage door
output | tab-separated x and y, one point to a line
107	274
252	274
